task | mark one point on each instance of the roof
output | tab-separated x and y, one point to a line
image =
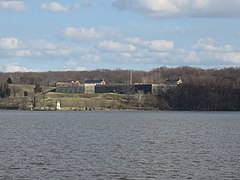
94	81
173	81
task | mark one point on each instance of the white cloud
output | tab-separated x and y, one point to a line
181	8
42	49
161	45
204	52
54	7
23	53
13	5
108	45
127	50
83	3
72	65
233	57
58	52
215	52
184	56
43	44
9	43
58	7
82	33
11	47
209	44
155	45
90	57
137	49
15	67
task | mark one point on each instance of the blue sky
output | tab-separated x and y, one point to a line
111	34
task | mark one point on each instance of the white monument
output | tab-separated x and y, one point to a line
58	105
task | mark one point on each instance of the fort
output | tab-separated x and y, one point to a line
99	86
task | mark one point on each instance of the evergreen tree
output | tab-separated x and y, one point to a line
37	89
9	80
25	93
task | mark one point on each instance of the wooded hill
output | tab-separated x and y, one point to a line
189	75
202	89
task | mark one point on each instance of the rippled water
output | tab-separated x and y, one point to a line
119	145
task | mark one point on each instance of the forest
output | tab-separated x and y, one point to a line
201	90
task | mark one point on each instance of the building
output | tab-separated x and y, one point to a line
99	86
173	82
96	82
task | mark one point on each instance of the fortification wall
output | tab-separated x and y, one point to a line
143	88
158	89
71	89
119	88
122	89
90	88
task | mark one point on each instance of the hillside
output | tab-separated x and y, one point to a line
47	100
202	89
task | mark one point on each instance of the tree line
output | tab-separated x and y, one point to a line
158	75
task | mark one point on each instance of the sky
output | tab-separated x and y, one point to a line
45	35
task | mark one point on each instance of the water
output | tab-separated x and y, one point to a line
119	145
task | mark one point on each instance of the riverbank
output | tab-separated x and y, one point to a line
47	101
183	98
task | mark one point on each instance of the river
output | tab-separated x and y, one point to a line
119	145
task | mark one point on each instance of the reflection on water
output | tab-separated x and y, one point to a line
119	145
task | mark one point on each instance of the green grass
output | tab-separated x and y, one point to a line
82	101
28	88
68	101
20	88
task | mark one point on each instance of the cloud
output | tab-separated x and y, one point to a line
90	57
82	33
205	52
154	45
181	8
9	43
161	45
13	5
43	44
125	51
57	7
219	53
15	67
42	49
72	65
83	3
11	47
24	53
109	45
209	44
233	57
136	50
54	7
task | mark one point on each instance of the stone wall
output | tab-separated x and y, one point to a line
119	88
90	88
156	89
71	89
143	88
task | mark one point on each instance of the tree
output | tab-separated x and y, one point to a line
15	90
25	93
37	89
9	80
5	91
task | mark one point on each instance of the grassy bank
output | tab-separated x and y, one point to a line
47	100
80	101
